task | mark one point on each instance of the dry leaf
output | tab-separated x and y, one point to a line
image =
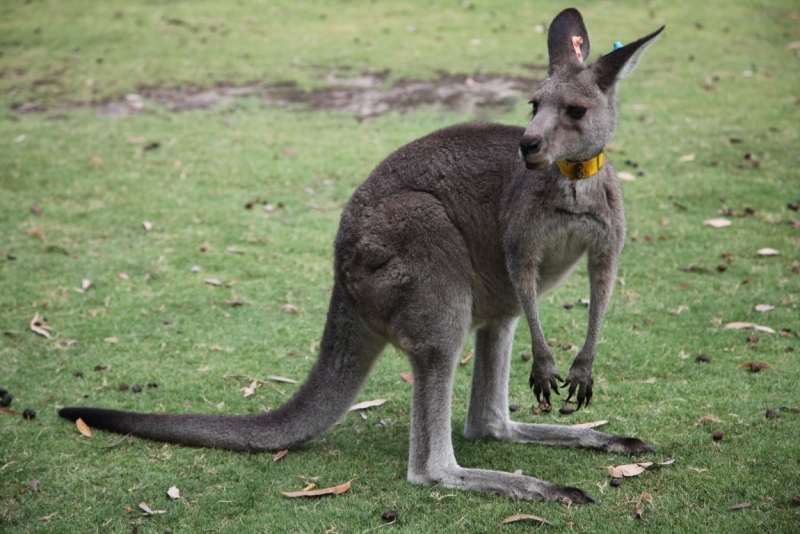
748	365
127	508
520	517
740	506
149	511
334	490
631	470
590	425
37	233
122	275
767	252
664	221
682	355
717	223
698	469
290	308
83	428
764	307
38	327
282	379
468	357
679	310
652	380
205	247
112	339
626	177
628	470
134	139
687	157
236	250
367	404
740	325
34	485
147	225
251	389
85	284
279	455
708	419
212	282
6	411
407	377
174	492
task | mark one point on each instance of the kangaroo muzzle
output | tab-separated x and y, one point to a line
530	151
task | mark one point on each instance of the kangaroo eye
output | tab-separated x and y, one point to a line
576	112
535	105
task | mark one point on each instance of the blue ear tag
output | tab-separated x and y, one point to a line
617	46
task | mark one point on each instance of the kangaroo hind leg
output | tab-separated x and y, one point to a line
431	456
488	416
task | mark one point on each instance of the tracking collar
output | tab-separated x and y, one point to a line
581	169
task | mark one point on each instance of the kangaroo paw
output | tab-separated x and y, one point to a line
629	445
576	496
544	377
580	380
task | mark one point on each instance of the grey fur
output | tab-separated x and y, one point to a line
452	234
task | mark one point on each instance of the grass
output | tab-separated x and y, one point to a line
95	187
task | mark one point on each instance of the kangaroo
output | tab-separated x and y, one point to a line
460	231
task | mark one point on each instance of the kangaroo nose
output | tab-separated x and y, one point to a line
530	145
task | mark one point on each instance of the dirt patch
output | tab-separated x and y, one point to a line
366	96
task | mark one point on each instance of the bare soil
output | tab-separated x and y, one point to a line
365	96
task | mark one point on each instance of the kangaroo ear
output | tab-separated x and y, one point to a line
567	40
620	63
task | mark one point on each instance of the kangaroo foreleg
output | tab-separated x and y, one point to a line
602	273
544	373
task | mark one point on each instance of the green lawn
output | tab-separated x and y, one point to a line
722	83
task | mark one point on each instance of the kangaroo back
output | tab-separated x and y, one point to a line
347	352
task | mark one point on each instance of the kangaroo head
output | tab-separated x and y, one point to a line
575	109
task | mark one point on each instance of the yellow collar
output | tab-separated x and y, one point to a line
581	169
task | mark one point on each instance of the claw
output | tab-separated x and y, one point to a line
630	446
576	496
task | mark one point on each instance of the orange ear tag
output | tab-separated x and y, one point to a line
576	43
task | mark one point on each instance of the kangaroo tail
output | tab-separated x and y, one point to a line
348	350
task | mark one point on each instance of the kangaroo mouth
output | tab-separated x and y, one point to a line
532	162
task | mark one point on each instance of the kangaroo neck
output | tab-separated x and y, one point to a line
580	170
